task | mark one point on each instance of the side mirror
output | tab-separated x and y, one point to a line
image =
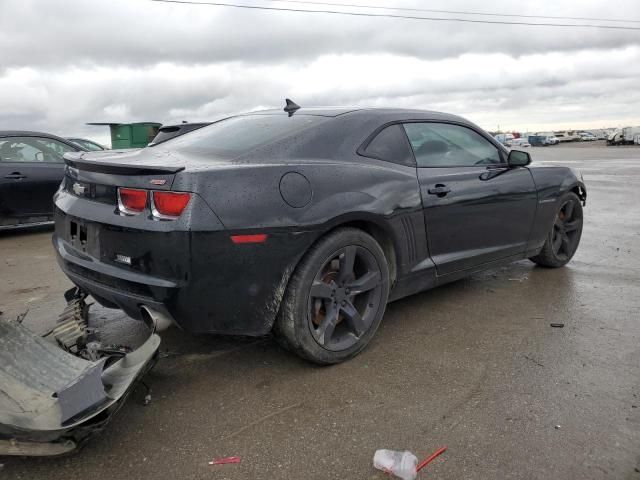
518	158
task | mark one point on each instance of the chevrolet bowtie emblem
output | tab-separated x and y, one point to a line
79	189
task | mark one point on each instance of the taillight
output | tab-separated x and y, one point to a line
169	204
131	200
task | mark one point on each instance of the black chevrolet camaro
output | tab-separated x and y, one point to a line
305	223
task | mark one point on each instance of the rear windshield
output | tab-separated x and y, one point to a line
238	135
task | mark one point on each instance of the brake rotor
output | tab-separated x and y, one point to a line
318	307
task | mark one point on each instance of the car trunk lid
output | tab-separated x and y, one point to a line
125	162
96	176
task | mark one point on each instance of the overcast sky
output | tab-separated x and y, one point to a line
67	62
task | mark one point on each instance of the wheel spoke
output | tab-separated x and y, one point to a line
568	211
571	226
354	318
558	223
347	260
366	282
557	242
328	324
321	290
565	243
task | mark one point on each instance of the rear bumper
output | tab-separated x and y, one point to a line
110	286
199	278
52	401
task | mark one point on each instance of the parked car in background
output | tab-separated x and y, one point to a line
537	140
549	138
88	145
587	137
31	169
520	142
615	138
567	136
629	134
305	223
169	131
505	139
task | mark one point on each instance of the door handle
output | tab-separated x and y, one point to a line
439	190
15	176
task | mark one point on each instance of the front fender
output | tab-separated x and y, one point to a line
551	183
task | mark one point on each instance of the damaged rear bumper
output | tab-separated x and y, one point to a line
52	400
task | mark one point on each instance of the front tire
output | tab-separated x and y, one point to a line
563	239
335	299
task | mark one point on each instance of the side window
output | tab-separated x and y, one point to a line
32	150
53	149
445	145
391	145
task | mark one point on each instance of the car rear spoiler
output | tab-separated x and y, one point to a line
109	162
51	400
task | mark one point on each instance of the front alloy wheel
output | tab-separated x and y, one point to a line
566	230
563	239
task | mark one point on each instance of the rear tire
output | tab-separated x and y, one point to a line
564	237
335	299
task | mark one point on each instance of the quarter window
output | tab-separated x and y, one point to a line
446	145
391	145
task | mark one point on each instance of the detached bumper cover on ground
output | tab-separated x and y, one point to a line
52	400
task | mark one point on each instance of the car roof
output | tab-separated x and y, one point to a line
71	139
29	133
26	133
370	112
317	111
188	124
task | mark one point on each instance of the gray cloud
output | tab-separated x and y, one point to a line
125	32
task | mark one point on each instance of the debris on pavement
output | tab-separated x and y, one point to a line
533	360
147	397
53	397
521	279
557	325
20	318
400	464
428	460
224	460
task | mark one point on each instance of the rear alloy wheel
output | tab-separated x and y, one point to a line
563	239
335	298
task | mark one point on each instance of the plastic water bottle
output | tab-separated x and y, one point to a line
401	464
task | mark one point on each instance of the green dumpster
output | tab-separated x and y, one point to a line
131	135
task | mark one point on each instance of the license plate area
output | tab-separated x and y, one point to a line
83	236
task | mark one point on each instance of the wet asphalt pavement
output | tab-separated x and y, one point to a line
473	365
